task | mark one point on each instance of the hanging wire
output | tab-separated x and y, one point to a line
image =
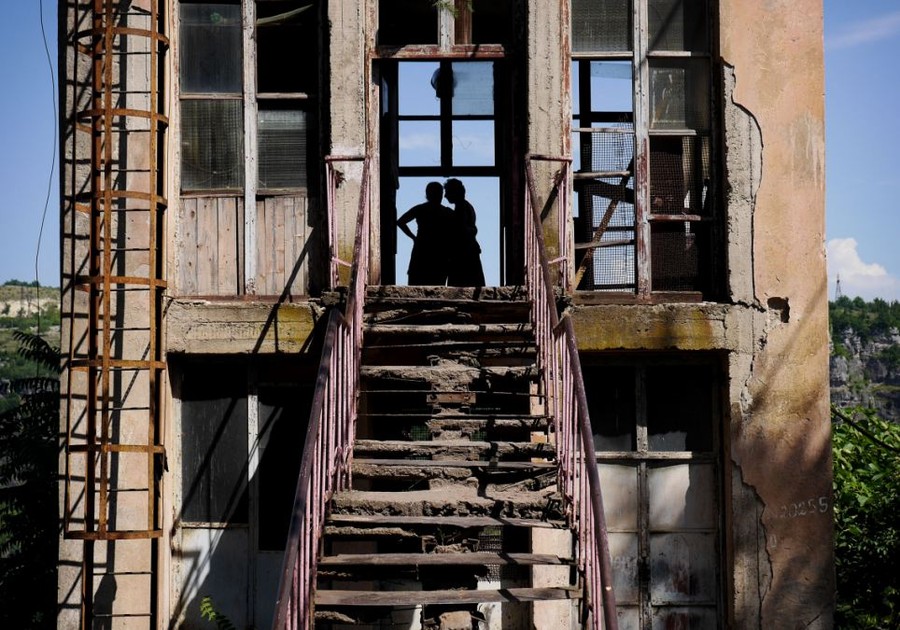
52	168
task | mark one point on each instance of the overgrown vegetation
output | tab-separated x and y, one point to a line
29	309
28	491
867	319
866	450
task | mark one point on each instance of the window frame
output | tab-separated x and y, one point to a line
644	460
704	226
251	99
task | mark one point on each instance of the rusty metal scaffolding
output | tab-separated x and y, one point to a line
114	450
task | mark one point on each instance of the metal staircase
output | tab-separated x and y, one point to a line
454	493
449	480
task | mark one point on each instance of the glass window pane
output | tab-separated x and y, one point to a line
282	148
286	46
680	175
668	617
678	25
473	89
601	25
612	87
214	446
212	144
623	551
676	249
620	502
681	496
680	407
610	395
417	95
679	94
492	22
682	568
405	22
473	143
211	48
283	417
420	143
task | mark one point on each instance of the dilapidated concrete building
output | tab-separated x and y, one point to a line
629	425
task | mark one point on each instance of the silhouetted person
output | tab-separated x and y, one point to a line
429	259
465	253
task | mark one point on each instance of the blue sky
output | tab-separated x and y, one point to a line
862	87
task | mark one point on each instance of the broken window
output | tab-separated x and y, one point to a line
217	89
656	426
643	153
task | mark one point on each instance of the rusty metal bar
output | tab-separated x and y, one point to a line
579	478
328	449
108	280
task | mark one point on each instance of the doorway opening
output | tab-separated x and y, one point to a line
439	122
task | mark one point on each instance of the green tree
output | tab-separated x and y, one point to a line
866	451
28	493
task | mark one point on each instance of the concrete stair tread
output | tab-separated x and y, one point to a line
451	463
326	597
439	330
442	559
442	520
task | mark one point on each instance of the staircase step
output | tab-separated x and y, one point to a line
446	521
438	373
453	501
441	559
480	332
466	451
376	294
452	596
416	464
474	353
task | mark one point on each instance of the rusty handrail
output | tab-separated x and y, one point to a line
328	449
566	402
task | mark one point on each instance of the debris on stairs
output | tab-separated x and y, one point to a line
453	521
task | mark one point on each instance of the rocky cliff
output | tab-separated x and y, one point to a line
866	372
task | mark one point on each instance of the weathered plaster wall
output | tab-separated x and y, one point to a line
549	106
244	328
348	99
773	327
780	433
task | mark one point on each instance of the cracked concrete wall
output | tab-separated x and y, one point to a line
773	328
780	438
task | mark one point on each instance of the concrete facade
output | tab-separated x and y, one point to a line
767	324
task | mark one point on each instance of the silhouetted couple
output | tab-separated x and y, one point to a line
445	249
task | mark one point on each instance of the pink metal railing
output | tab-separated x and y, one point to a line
328	449
563	384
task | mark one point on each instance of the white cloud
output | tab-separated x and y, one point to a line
858	278
872	30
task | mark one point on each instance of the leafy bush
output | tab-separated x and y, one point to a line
28	493
866	450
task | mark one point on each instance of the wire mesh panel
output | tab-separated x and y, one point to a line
644	178
599	25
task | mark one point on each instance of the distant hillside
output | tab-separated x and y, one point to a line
24	308
865	355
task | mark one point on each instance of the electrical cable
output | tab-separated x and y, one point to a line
52	168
